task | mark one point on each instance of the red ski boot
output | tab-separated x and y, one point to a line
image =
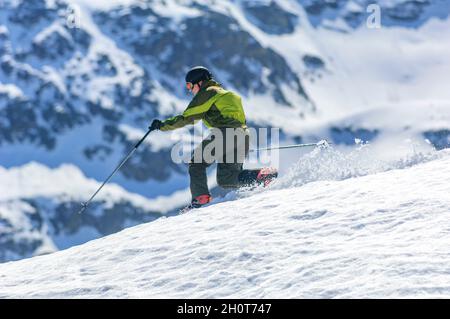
197	202
266	175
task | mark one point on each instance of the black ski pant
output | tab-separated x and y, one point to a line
229	148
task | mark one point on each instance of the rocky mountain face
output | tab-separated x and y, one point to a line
72	93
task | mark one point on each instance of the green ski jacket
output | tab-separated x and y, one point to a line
214	105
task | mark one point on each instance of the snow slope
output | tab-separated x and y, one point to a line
383	235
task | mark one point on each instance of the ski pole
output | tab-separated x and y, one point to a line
321	143
86	204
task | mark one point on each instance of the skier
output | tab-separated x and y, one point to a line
222	111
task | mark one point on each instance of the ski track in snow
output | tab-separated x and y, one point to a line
383	235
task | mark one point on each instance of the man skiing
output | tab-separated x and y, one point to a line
222	111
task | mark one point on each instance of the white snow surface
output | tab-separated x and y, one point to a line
383	235
11	91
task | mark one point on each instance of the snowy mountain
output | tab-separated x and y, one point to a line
40	217
382	235
81	80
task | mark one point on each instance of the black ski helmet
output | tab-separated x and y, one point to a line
197	74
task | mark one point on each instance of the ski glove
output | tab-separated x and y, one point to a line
156	125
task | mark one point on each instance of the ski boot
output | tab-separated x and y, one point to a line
255	177
197	202
266	175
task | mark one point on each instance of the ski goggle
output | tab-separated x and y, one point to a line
189	86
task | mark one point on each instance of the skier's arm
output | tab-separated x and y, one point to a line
195	111
178	122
